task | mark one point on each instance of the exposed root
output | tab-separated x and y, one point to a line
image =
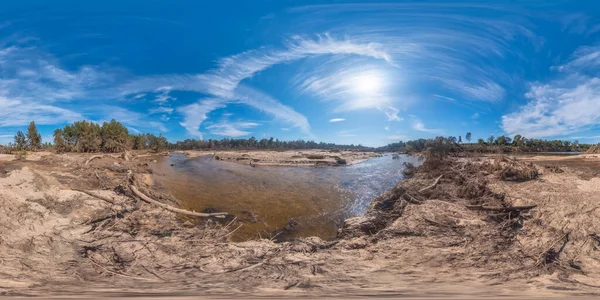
174	209
92	158
433	185
111	201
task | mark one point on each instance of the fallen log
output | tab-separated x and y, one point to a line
500	209
92	158
174	209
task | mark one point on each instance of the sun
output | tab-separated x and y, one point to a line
367	84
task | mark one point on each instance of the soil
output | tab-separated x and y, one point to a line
300	158
460	227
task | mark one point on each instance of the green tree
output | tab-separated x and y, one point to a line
490	140
59	141
517	140
20	141
158	143
34	139
87	136
480	141
459	139
115	137
468	137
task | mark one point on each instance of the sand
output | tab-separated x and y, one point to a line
56	241
306	158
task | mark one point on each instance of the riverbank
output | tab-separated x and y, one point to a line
301	158
458	227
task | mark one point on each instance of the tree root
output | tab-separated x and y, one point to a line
174	209
433	185
96	196
92	158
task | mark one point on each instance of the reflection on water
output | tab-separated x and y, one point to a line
287	201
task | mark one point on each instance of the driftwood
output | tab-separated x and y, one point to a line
433	185
174	209
501	209
92	158
96	196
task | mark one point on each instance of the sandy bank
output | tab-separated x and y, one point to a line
288	158
454	228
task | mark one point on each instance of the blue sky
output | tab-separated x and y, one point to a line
344	72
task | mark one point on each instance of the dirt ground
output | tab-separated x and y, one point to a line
300	158
468	227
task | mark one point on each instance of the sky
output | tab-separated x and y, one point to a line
347	72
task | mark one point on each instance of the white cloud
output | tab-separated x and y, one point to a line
559	108
223	83
161	110
419	126
475	116
197	113
335	120
231	129
583	58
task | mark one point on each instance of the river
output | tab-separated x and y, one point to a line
280	202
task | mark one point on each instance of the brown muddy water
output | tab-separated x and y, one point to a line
280	202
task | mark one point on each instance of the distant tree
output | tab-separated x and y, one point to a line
34	139
20	141
459	139
158	143
88	138
115	137
517	140
480	141
490	140
452	139
59	141
468	137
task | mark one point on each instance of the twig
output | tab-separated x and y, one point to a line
92	158
433	185
501	209
96	196
174	209
117	273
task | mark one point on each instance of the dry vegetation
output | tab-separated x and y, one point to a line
74	224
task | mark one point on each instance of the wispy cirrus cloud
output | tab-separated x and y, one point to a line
223	83
336	120
419	126
457	46
231	129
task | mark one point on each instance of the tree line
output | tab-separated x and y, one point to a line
85	136
110	137
501	143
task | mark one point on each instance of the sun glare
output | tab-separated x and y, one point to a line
367	84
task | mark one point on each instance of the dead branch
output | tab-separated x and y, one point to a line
433	185
96	196
92	158
501	209
174	209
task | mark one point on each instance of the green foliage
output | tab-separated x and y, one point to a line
88	136
468	137
158	143
34	139
20	141
21	154
59	141
115	137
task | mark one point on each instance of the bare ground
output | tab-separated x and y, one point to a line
472	234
